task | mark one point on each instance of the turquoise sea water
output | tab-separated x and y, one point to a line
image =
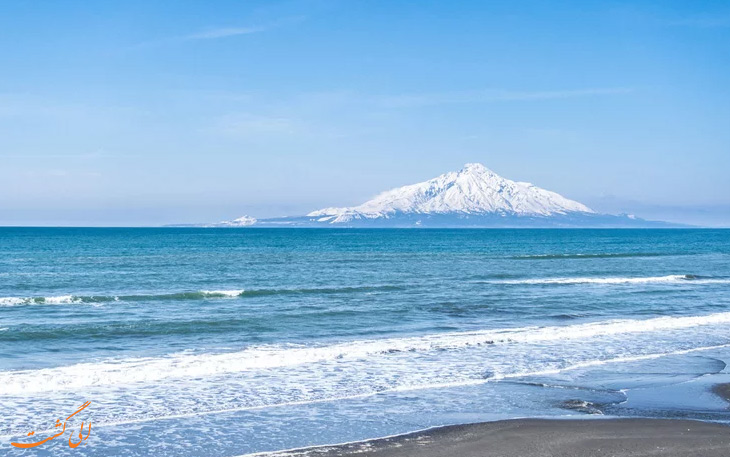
221	342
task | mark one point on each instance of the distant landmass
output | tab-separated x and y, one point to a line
474	196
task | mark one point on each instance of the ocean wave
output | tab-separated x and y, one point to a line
322	290
126	371
222	293
197	295
606	255
55	300
98	299
682	279
116	421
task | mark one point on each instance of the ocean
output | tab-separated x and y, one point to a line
224	342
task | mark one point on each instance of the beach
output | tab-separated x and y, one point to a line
635	437
547	438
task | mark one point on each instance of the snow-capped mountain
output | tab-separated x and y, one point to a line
471	197
474	190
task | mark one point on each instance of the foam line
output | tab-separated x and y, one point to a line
126	371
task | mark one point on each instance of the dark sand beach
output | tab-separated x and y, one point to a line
548	438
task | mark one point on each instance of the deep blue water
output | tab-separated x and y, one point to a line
229	341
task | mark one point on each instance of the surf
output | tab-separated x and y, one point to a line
123	371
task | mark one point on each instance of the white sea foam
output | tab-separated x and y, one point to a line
56	300
426	386
61	300
683	279
125	371
225	293
595	363
96	299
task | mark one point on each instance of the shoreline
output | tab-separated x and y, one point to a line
630	437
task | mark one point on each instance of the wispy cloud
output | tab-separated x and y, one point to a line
339	114
493	95
223	32
216	33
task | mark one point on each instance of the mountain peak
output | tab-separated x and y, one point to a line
474	190
475	167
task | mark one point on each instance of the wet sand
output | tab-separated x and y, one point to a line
547	438
722	390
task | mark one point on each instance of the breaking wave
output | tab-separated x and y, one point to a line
126	371
91	299
197	295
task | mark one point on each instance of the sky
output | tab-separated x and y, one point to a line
148	113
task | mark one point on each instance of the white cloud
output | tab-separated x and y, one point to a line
223	32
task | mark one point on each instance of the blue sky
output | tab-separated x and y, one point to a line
137	112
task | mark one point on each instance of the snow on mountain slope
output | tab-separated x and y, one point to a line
473	190
243	221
